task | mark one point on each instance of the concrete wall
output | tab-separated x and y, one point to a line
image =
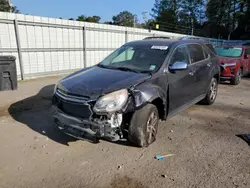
47	46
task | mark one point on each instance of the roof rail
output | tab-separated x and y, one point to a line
194	38
156	37
190	38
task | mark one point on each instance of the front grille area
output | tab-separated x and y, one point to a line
232	70
81	110
221	69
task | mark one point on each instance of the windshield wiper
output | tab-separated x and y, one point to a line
123	69
105	66
102	66
119	68
127	69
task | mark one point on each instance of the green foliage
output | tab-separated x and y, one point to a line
108	22
6	7
15	10
178	16
81	18
210	18
233	15
94	19
149	24
125	18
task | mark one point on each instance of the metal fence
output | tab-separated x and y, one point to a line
47	46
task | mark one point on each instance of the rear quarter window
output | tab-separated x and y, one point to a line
210	46
206	53
247	51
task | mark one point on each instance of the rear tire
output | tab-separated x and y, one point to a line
143	126
212	93
236	80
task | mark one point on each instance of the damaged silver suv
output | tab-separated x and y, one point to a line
142	82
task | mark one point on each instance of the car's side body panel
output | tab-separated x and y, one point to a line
180	83
178	89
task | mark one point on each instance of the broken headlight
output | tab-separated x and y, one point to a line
112	102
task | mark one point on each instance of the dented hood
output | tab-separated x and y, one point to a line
95	81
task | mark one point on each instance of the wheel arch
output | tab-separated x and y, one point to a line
154	95
158	102
217	77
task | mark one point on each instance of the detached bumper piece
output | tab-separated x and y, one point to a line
85	129
79	129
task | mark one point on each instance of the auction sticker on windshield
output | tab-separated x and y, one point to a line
159	47
152	67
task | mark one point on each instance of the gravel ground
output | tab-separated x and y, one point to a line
205	139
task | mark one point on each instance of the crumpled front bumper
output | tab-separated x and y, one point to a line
82	129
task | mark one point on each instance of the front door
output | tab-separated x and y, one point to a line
181	83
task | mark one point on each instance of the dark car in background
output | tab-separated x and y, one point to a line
234	62
142	82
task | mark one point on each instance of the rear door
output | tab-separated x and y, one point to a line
181	83
201	64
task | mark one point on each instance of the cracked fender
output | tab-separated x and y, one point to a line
147	93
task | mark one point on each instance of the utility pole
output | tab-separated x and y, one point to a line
134	20
192	23
192	31
144	16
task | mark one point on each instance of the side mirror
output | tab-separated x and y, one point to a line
246	56
178	65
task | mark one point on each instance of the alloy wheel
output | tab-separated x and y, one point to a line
239	75
213	91
152	127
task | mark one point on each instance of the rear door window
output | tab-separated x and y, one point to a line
196	53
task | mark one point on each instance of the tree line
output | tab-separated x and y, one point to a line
5	6
224	19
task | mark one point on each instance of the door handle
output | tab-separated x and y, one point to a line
209	64
191	73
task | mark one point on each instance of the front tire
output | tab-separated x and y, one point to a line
212	93
143	126
236	80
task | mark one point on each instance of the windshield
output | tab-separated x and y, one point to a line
136	58
229	52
